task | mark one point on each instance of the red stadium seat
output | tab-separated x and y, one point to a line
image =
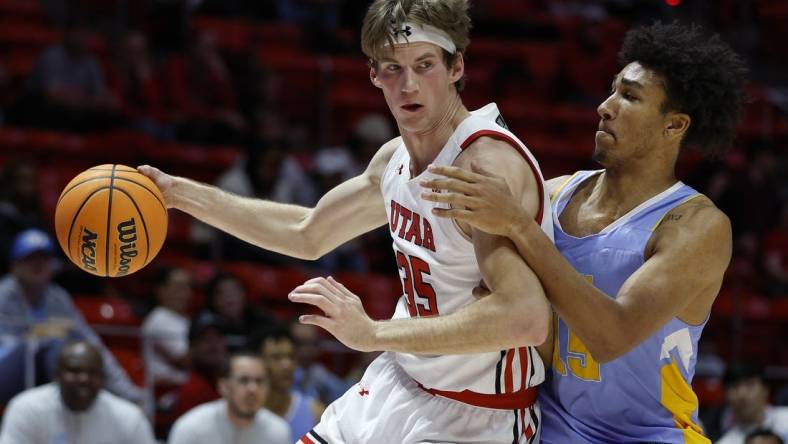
22	10
710	391
130	358
231	35
281	35
264	282
30	35
103	310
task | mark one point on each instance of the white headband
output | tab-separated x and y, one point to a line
411	32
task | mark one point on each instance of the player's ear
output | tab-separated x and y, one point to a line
457	70
677	124
373	77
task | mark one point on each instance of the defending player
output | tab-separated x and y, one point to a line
639	257
425	391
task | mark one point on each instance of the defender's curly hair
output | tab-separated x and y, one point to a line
703	77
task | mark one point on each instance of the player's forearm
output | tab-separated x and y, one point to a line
274	226
593	316
496	322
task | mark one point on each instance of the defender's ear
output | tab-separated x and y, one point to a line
458	69
373	77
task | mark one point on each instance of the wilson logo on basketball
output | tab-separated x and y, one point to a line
88	249
127	235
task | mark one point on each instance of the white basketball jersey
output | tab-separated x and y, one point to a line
438	270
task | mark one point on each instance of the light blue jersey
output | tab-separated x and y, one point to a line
645	395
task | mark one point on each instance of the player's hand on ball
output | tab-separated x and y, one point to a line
479	198
162	180
344	315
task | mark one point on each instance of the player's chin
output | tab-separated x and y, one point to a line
600	154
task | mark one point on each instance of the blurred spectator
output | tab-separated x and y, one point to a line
75	409
748	399
588	60
66	89
207	352
775	256
19	204
334	165
202	95
268	171
299	410
319	18
237	417
763	436
311	377
369	134
135	80
31	305
167	327
227	298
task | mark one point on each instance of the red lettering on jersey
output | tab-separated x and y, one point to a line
418	232
428	242
414	233
406	214
394	217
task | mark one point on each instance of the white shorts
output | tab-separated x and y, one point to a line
388	407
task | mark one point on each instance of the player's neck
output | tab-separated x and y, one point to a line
635	181
278	402
423	146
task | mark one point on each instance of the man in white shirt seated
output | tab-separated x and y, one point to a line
75	408
763	436
748	401
236	418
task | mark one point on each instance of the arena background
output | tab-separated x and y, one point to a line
273	99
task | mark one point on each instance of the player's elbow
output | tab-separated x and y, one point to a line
531	324
535	333
609	348
305	242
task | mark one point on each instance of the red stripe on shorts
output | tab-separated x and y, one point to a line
508	377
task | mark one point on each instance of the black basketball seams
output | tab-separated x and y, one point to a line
142	218
109	222
98	168
74	220
66	191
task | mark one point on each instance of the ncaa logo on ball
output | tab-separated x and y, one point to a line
88	249
127	236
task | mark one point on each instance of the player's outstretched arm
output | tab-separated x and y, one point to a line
685	262
352	208
515	313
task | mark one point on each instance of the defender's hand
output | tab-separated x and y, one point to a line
162	180
344	317
479	198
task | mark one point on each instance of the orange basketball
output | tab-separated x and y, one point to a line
111	220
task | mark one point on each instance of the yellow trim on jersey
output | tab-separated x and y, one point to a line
680	203
561	187
679	399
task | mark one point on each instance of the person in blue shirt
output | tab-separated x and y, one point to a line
37	316
639	256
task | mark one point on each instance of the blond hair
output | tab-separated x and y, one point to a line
384	16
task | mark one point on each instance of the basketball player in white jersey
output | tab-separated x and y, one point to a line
456	369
